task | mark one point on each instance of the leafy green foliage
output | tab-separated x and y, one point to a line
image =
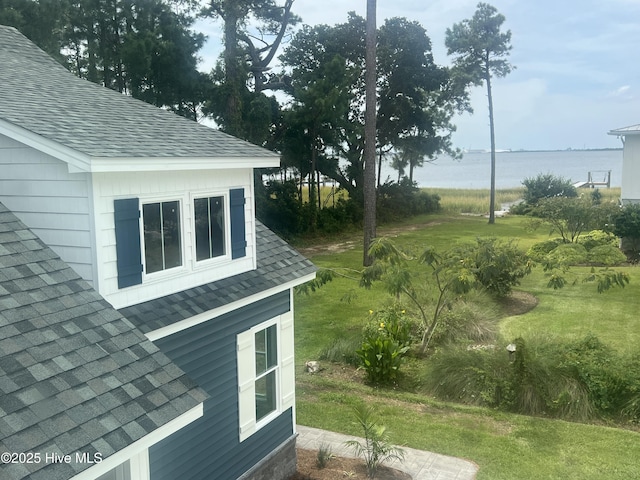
498	265
381	358
404	199
387	339
540	250
627	222
376	448
547	186
570	217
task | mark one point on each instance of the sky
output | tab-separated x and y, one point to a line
577	72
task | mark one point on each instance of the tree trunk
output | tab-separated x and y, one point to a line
232	72
370	133
492	201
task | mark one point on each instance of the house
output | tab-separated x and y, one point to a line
83	393
630	191
155	214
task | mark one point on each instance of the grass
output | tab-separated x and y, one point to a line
504	445
456	201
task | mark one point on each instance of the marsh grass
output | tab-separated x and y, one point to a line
457	201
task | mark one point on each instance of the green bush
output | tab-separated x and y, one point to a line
606	255
539	251
613	380
597	238
576	380
381	358
387	339
568	254
498	265
404	199
547	186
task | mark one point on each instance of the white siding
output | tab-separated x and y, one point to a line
160	186
54	203
631	169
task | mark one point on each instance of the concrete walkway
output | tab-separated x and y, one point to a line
419	464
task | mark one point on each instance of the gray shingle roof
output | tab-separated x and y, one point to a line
278	263
41	96
75	375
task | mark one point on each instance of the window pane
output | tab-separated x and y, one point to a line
152	237
203	248
217	226
265	395
261	352
272	346
171	234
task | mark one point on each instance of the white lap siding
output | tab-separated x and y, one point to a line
55	204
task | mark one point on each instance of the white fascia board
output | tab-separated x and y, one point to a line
77	161
230	307
121	456
619	132
152	164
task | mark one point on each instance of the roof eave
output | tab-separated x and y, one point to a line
81	162
150	164
621	132
76	160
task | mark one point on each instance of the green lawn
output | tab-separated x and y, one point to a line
505	446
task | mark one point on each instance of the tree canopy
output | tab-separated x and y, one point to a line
480	49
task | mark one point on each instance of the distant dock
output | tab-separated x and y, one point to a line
593	182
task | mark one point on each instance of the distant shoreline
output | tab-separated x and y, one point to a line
607	149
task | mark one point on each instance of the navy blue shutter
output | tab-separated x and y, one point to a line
129	256
238	234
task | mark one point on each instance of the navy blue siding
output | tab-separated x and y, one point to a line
238	234
128	253
209	448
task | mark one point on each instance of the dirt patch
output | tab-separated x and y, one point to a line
344	245
518	303
339	468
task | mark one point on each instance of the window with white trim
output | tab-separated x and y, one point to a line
266	373
162	236
210	231
266	385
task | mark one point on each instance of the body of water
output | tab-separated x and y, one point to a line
474	170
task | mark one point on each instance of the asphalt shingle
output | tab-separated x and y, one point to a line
56	377
95	121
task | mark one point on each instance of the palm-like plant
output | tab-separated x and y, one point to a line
376	448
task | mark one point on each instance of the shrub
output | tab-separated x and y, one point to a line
547	186
404	199
540	250
606	255
381	358
532	382
387	339
568	254
498	265
597	238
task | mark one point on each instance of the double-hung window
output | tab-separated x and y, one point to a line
266	373
210	236
266	385
162	237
